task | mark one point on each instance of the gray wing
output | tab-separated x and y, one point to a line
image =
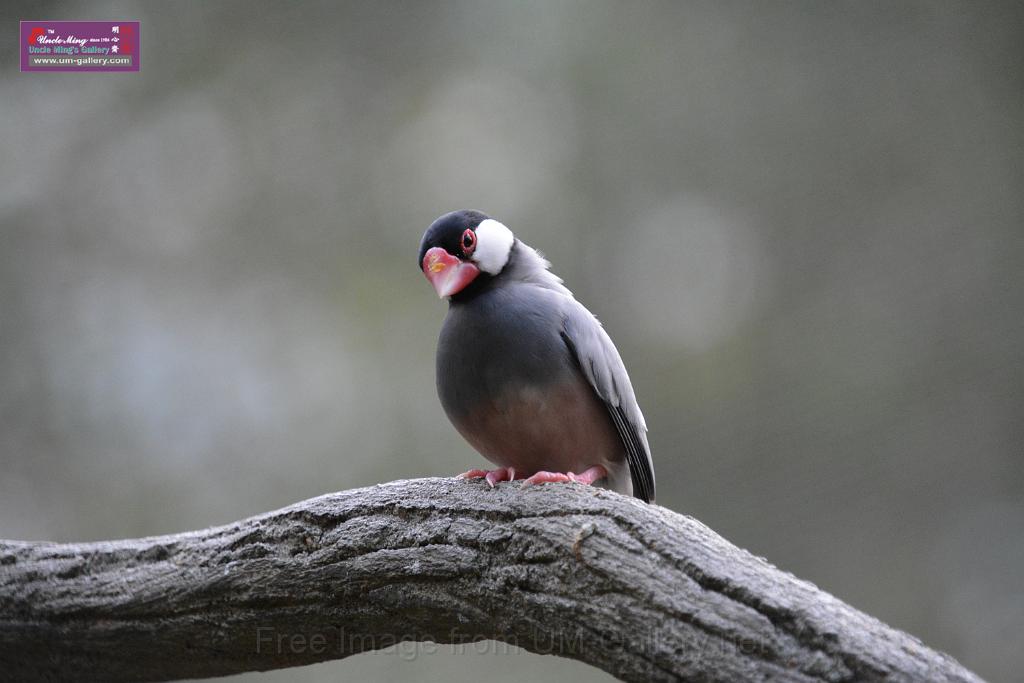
602	366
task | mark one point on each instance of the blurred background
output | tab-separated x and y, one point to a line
801	222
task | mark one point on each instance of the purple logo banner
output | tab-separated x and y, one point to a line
80	46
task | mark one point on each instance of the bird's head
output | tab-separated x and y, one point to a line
460	246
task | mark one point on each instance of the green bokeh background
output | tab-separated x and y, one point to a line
801	222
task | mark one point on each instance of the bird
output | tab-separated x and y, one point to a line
525	373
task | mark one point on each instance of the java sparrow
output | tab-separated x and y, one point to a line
525	373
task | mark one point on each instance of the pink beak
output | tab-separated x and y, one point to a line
446	273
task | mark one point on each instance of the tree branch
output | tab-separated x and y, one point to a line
637	590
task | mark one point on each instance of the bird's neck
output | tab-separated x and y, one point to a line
525	266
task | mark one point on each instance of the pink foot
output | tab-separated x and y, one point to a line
492	477
588	476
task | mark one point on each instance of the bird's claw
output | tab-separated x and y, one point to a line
492	477
586	477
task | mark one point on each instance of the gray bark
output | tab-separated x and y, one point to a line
637	590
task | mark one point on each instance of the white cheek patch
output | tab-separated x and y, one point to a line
493	246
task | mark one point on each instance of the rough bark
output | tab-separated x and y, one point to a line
639	591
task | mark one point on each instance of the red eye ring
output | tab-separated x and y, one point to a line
468	242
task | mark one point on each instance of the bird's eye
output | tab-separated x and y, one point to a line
468	242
